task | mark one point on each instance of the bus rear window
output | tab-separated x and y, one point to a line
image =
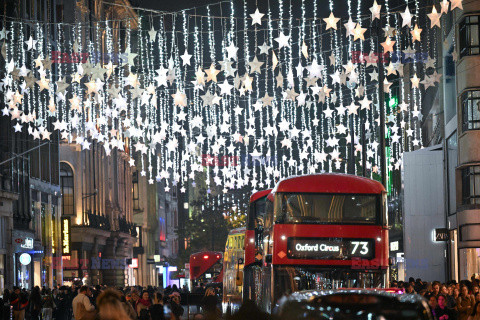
326	208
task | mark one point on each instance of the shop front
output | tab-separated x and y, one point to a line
27	260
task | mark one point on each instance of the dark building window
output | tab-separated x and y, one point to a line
471	185
136	200
469	36
470	110
68	188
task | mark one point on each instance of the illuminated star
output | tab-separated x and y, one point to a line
331	22
225	87
416	33
434	18
406	18
264	48
444	5
358	32
415	81
255	65
232	52
152	34
212	73
282	40
75	103
186	58
350	27
456	4
179	99
388	45
375	10
43	83
257	17
30	43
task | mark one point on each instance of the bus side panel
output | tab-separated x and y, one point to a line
249	247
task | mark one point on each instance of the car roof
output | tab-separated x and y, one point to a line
309	294
299	302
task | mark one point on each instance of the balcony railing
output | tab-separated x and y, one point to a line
98	221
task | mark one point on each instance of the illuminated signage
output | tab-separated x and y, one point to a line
66	237
134	263
27	243
394	246
330	248
441	234
25	259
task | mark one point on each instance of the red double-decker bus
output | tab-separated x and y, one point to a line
206	267
321	231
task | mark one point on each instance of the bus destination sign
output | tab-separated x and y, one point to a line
330	248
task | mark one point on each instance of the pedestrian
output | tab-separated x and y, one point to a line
157	310
110	306
142	306
475	315
409	288
83	309
465	303
127	306
441	311
47	305
209	305
175	307
450	300
432	303
19	302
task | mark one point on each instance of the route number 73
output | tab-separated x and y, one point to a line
363	247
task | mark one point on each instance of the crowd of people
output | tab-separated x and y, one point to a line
447	301
99	302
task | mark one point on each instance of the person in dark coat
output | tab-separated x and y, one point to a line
157	311
209	304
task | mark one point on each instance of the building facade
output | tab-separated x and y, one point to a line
30	198
463	148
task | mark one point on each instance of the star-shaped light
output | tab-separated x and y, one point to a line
350	27
43	83
30	43
416	33
257	17
231	51
415	81
179	99
434	18
255	65
212	73
444	4
406	18
388	45
264	48
375	10
282	40
456	4
186	58
225	87
152	34
358	32
331	22
75	103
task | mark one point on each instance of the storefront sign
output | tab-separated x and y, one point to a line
27	243
334	249
394	245
25	259
134	263
65	236
441	234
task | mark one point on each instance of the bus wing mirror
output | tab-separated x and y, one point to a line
268	258
239	278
